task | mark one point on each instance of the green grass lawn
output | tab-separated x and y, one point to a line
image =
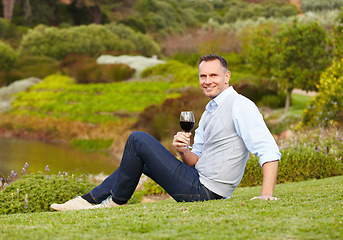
306	210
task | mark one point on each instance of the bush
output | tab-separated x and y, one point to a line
326	109
8	56
30	66
57	43
302	159
137	42
36	192
86	70
91	40
318	5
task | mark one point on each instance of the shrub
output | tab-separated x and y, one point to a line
36	192
338	35
159	121
318	5
170	67
306	156
58	43
85	70
8	56
327	107
91	40
30	66
137	42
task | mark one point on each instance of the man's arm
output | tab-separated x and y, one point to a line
181	140
270	170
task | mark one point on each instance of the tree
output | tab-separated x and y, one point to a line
338	35
301	54
93	6
260	52
326	109
8	6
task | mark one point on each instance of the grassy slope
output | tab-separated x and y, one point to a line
306	210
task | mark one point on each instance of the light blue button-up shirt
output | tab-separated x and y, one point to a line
249	125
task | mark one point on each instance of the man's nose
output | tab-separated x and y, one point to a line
207	80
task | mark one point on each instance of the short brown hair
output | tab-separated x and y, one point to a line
211	57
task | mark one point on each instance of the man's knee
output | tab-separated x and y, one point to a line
138	136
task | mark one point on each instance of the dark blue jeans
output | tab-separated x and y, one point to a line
144	154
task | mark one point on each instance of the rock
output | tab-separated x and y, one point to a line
139	63
6	93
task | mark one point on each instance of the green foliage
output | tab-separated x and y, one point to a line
306	210
183	74
58	96
261	51
263	91
8	56
159	121
36	192
318	5
306	156
91	40
301	53
150	187
273	100
30	66
338	35
86	70
326	109
243	10
135	41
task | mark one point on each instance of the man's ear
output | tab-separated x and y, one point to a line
227	77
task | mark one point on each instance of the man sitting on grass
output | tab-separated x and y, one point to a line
229	128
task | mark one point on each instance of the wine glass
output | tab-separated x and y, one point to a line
187	122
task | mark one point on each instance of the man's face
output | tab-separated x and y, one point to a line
213	78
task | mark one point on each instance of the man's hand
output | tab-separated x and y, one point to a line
265	198
269	180
181	141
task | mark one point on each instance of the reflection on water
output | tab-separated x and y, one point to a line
14	153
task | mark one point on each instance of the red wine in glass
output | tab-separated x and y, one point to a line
187	121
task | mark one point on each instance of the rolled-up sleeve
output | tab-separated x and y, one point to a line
198	139
250	126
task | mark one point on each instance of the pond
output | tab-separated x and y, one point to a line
14	153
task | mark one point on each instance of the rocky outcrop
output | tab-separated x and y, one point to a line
7	93
139	63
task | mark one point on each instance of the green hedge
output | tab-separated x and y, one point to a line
36	192
91	39
30	66
8	56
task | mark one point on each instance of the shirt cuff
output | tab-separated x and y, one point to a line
269	158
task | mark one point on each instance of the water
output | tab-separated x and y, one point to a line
14	153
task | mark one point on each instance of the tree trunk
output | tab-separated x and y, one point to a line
97	14
8	9
27	10
288	99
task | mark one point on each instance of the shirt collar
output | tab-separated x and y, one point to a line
214	103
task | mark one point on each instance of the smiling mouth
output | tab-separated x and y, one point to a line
209	88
